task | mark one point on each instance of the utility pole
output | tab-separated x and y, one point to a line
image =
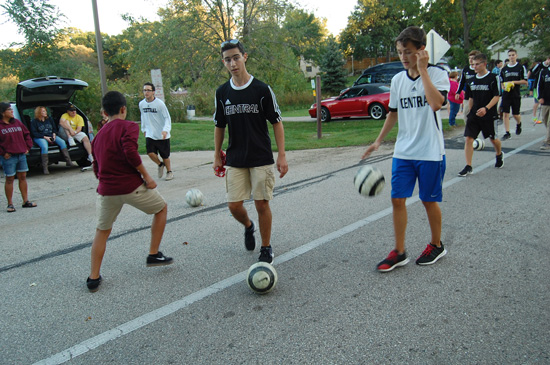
99	47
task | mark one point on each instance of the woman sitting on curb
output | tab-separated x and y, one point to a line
43	131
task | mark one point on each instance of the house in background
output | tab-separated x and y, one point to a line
499	50
308	68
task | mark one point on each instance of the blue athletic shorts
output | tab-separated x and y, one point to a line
16	163
430	176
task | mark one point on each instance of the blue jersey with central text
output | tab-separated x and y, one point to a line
420	135
245	111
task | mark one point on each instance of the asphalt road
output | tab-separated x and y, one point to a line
486	302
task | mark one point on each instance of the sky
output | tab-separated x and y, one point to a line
79	15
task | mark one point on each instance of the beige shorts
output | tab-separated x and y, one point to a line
108	207
241	183
80	136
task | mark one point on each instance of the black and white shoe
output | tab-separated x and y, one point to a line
93	284
467	170
499	162
266	254
249	240
506	136
159	260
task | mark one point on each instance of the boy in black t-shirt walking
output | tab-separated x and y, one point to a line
483	93
512	76
244	104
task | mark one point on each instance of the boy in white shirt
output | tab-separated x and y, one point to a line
416	96
156	125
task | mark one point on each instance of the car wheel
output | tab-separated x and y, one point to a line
325	114
377	111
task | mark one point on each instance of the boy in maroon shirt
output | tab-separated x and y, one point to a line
122	180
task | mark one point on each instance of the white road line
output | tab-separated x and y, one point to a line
175	306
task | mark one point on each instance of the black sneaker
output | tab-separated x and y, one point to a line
431	254
249	240
518	129
93	284
266	254
159	260
499	162
506	136
467	170
393	260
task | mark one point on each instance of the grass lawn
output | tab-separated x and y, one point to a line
199	135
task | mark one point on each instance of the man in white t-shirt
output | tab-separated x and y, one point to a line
416	96
156	125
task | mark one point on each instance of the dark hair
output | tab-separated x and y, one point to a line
230	44
414	35
150	84
497	62
112	102
481	57
512	50
3	107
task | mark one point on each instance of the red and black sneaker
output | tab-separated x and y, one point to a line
431	254
393	260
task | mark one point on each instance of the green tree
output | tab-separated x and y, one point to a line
332	66
303	33
41	53
374	25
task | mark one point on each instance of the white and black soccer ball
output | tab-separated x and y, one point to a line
479	144
194	197
369	181
261	277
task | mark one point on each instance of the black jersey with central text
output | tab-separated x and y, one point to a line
245	111
543	85
465	77
482	89
513	73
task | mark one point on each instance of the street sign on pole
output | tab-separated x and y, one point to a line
436	46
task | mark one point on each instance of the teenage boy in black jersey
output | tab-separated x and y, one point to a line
515	74
465	77
483	93
244	104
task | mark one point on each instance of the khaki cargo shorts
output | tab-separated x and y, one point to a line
108	207
242	183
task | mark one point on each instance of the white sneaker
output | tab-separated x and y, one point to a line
71	141
90	158
160	170
169	176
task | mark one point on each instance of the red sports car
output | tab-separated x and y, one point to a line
367	100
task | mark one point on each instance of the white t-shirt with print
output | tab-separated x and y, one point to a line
420	135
